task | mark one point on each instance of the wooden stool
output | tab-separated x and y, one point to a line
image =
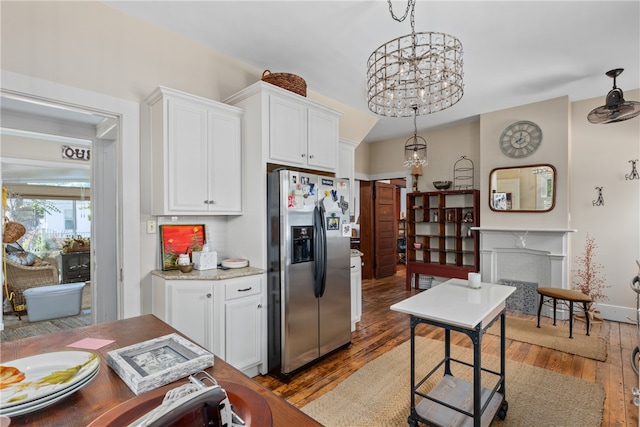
565	295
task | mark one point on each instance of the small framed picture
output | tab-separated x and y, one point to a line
154	363
176	239
333	223
500	201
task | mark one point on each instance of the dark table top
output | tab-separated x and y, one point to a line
107	390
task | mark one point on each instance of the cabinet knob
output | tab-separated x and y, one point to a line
302	155
212	202
259	305
311	156
209	295
206	202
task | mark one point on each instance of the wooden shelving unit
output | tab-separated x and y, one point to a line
440	241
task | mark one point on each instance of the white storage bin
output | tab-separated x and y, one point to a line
51	302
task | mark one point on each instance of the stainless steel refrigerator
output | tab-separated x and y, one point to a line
309	290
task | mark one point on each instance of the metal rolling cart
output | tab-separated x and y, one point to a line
454	306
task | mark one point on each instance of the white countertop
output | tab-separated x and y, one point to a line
454	303
213	274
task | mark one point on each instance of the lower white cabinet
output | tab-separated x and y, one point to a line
226	317
243	313
356	291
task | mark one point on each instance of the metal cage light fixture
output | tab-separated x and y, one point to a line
422	70
415	149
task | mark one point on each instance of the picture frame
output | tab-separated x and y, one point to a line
500	201
176	239
159	361
333	223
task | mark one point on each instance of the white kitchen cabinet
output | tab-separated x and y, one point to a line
195	147
356	291
243	322
226	317
188	306
346	168
300	132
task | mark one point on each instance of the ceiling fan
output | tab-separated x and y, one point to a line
616	109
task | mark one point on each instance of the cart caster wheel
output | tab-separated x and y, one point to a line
502	413
635	359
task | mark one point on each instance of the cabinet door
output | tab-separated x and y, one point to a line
243	331
191	311
287	131
187	186
322	145
356	292
225	164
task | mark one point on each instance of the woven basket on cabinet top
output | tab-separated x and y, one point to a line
290	82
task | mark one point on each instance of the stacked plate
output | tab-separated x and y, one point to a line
49	377
235	263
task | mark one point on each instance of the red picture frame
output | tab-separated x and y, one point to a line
176	239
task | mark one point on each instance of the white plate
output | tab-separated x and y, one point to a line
49	400
235	263
39	367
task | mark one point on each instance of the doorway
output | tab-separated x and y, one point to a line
380	227
94	180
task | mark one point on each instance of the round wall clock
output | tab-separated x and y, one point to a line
520	139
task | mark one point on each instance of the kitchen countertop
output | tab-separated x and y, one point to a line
214	274
355	253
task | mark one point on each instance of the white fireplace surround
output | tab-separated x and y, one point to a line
525	254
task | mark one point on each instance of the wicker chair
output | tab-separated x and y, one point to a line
43	272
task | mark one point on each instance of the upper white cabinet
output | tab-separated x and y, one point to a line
196	155
346	168
300	132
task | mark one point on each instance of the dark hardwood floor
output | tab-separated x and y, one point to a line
382	329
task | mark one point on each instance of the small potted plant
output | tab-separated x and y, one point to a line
589	279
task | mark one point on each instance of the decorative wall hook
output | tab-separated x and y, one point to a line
634	171
600	200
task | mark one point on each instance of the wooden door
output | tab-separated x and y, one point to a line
384	219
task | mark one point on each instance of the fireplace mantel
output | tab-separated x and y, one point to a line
539	255
552	242
522	230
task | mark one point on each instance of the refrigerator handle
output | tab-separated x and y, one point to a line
323	232
317	259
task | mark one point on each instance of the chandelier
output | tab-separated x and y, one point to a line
419	70
415	149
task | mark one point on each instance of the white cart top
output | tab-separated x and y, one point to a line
454	303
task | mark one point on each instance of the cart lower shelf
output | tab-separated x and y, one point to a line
459	394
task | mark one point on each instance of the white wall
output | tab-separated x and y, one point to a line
600	157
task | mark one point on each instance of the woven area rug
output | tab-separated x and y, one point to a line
46	327
556	337
378	393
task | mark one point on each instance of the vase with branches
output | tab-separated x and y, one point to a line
589	278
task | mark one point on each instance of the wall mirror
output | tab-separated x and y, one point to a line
530	188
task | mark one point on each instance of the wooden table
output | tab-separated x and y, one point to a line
454	306
107	390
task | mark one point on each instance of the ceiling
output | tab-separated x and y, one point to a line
515	52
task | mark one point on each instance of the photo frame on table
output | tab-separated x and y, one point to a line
154	363
176	239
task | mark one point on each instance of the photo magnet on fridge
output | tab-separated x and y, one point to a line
346	229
